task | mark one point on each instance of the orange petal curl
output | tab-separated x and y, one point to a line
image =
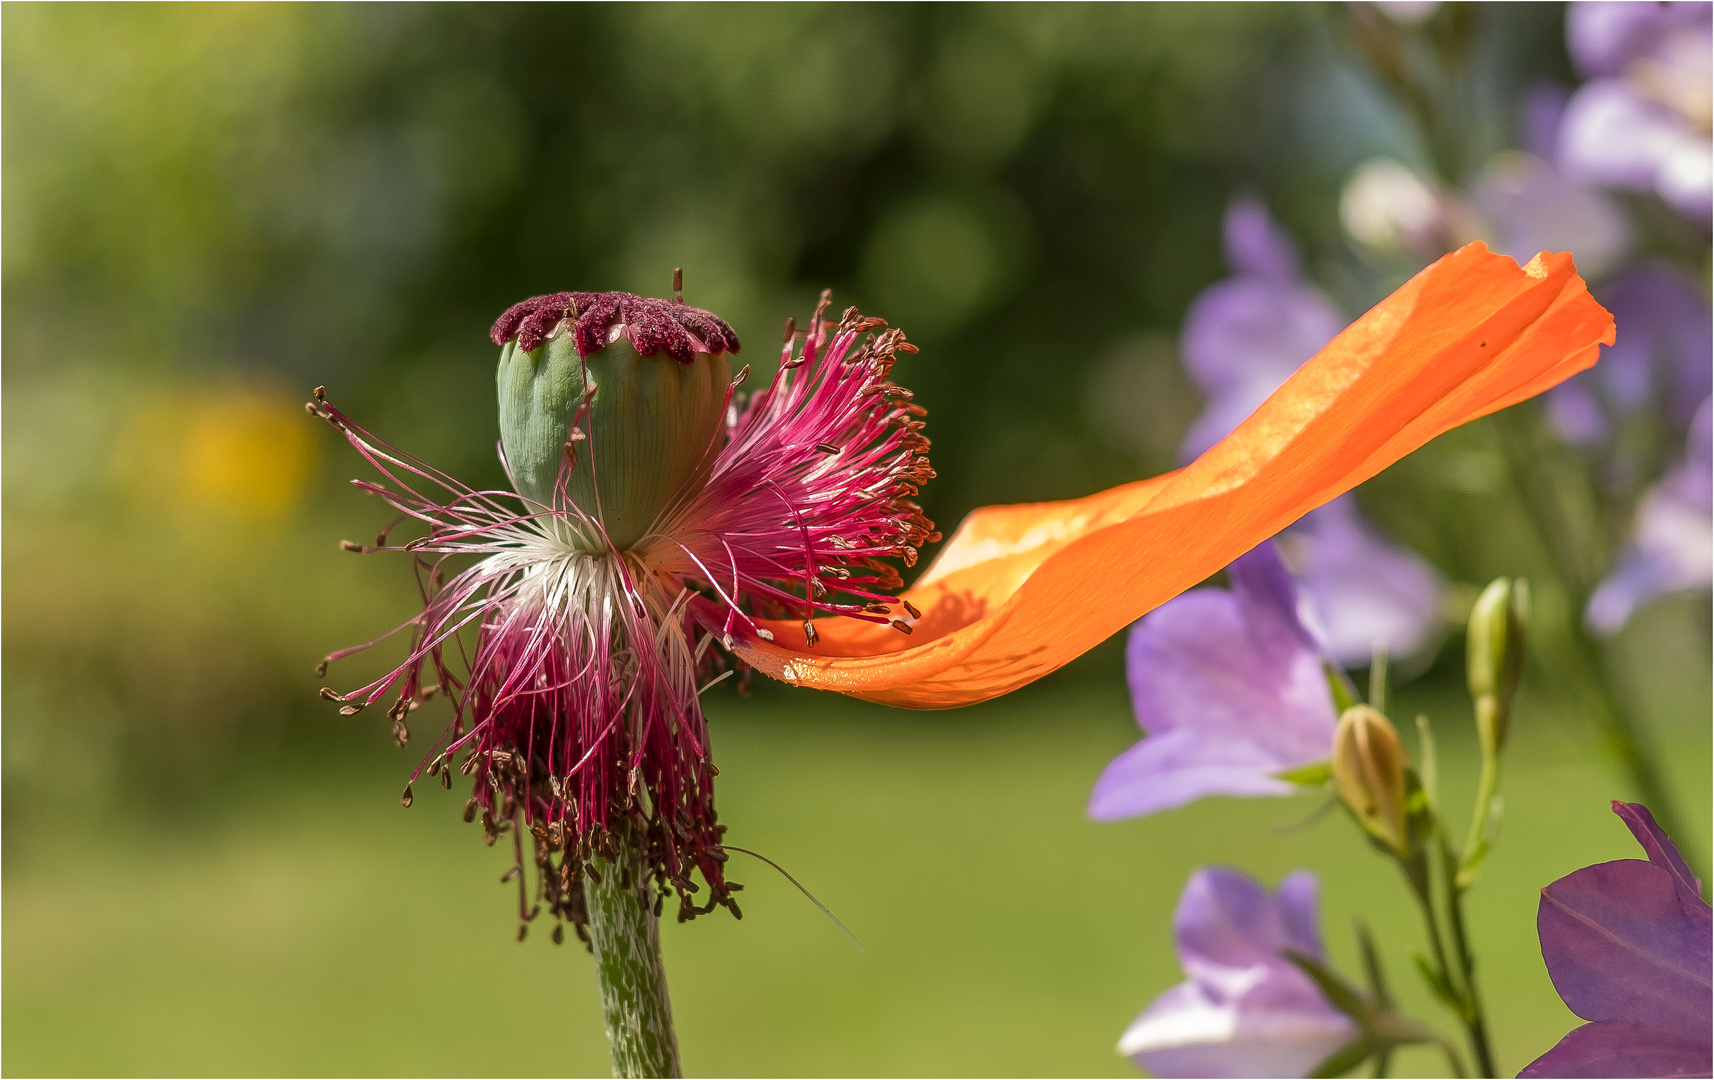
1019	591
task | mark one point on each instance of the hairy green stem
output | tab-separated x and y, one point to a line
626	940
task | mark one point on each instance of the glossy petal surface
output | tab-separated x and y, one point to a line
1019	591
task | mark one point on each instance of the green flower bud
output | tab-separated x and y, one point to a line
587	397
1369	773
1495	660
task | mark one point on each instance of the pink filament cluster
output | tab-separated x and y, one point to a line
814	486
576	711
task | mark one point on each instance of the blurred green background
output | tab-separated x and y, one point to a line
211	209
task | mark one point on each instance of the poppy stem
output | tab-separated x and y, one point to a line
625	937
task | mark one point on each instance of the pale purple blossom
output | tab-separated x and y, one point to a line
1661	362
1627	944
1361	591
1641	122
1244	1010
1672	546
1245	335
1230	690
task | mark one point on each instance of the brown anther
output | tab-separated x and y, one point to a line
511	875
901	626
470	810
321	669
321	393
911	610
559	934
353	546
810	634
329	692
877	609
827	448
406	799
445	774
350	710
523	931
743	374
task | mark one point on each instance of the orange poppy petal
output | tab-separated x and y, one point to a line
1020	590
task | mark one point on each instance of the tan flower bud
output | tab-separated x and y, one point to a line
1369	772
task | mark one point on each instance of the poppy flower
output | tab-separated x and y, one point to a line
1019	591
655	515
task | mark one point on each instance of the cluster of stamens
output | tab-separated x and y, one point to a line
576	716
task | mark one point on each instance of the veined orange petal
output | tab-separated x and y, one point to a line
1020	590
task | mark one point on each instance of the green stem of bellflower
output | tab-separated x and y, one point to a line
625	937
1475	1019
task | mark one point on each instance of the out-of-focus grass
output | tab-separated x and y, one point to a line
313	927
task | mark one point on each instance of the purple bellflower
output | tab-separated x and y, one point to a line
1641	122
1244	336
1672	547
1662	359
1230	690
1244	1010
1627	944
1360	590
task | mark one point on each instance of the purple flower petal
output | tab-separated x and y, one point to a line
1660	848
1672	549
1299	907
1606	35
1246	1010
1361	590
1574	412
1229	690
1617	1048
1538	119
1620	945
1256	246
1534	207
1244	336
1614	135
1665	344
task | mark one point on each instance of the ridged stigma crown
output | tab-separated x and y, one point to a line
584	388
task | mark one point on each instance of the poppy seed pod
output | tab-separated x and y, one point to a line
1369	772
630	387
1495	659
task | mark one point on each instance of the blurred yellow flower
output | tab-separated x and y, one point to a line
241	454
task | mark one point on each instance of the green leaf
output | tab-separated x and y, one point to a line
1430	767
1437	983
1339	993
1339	685
1315	774
1372	965
1346	1058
